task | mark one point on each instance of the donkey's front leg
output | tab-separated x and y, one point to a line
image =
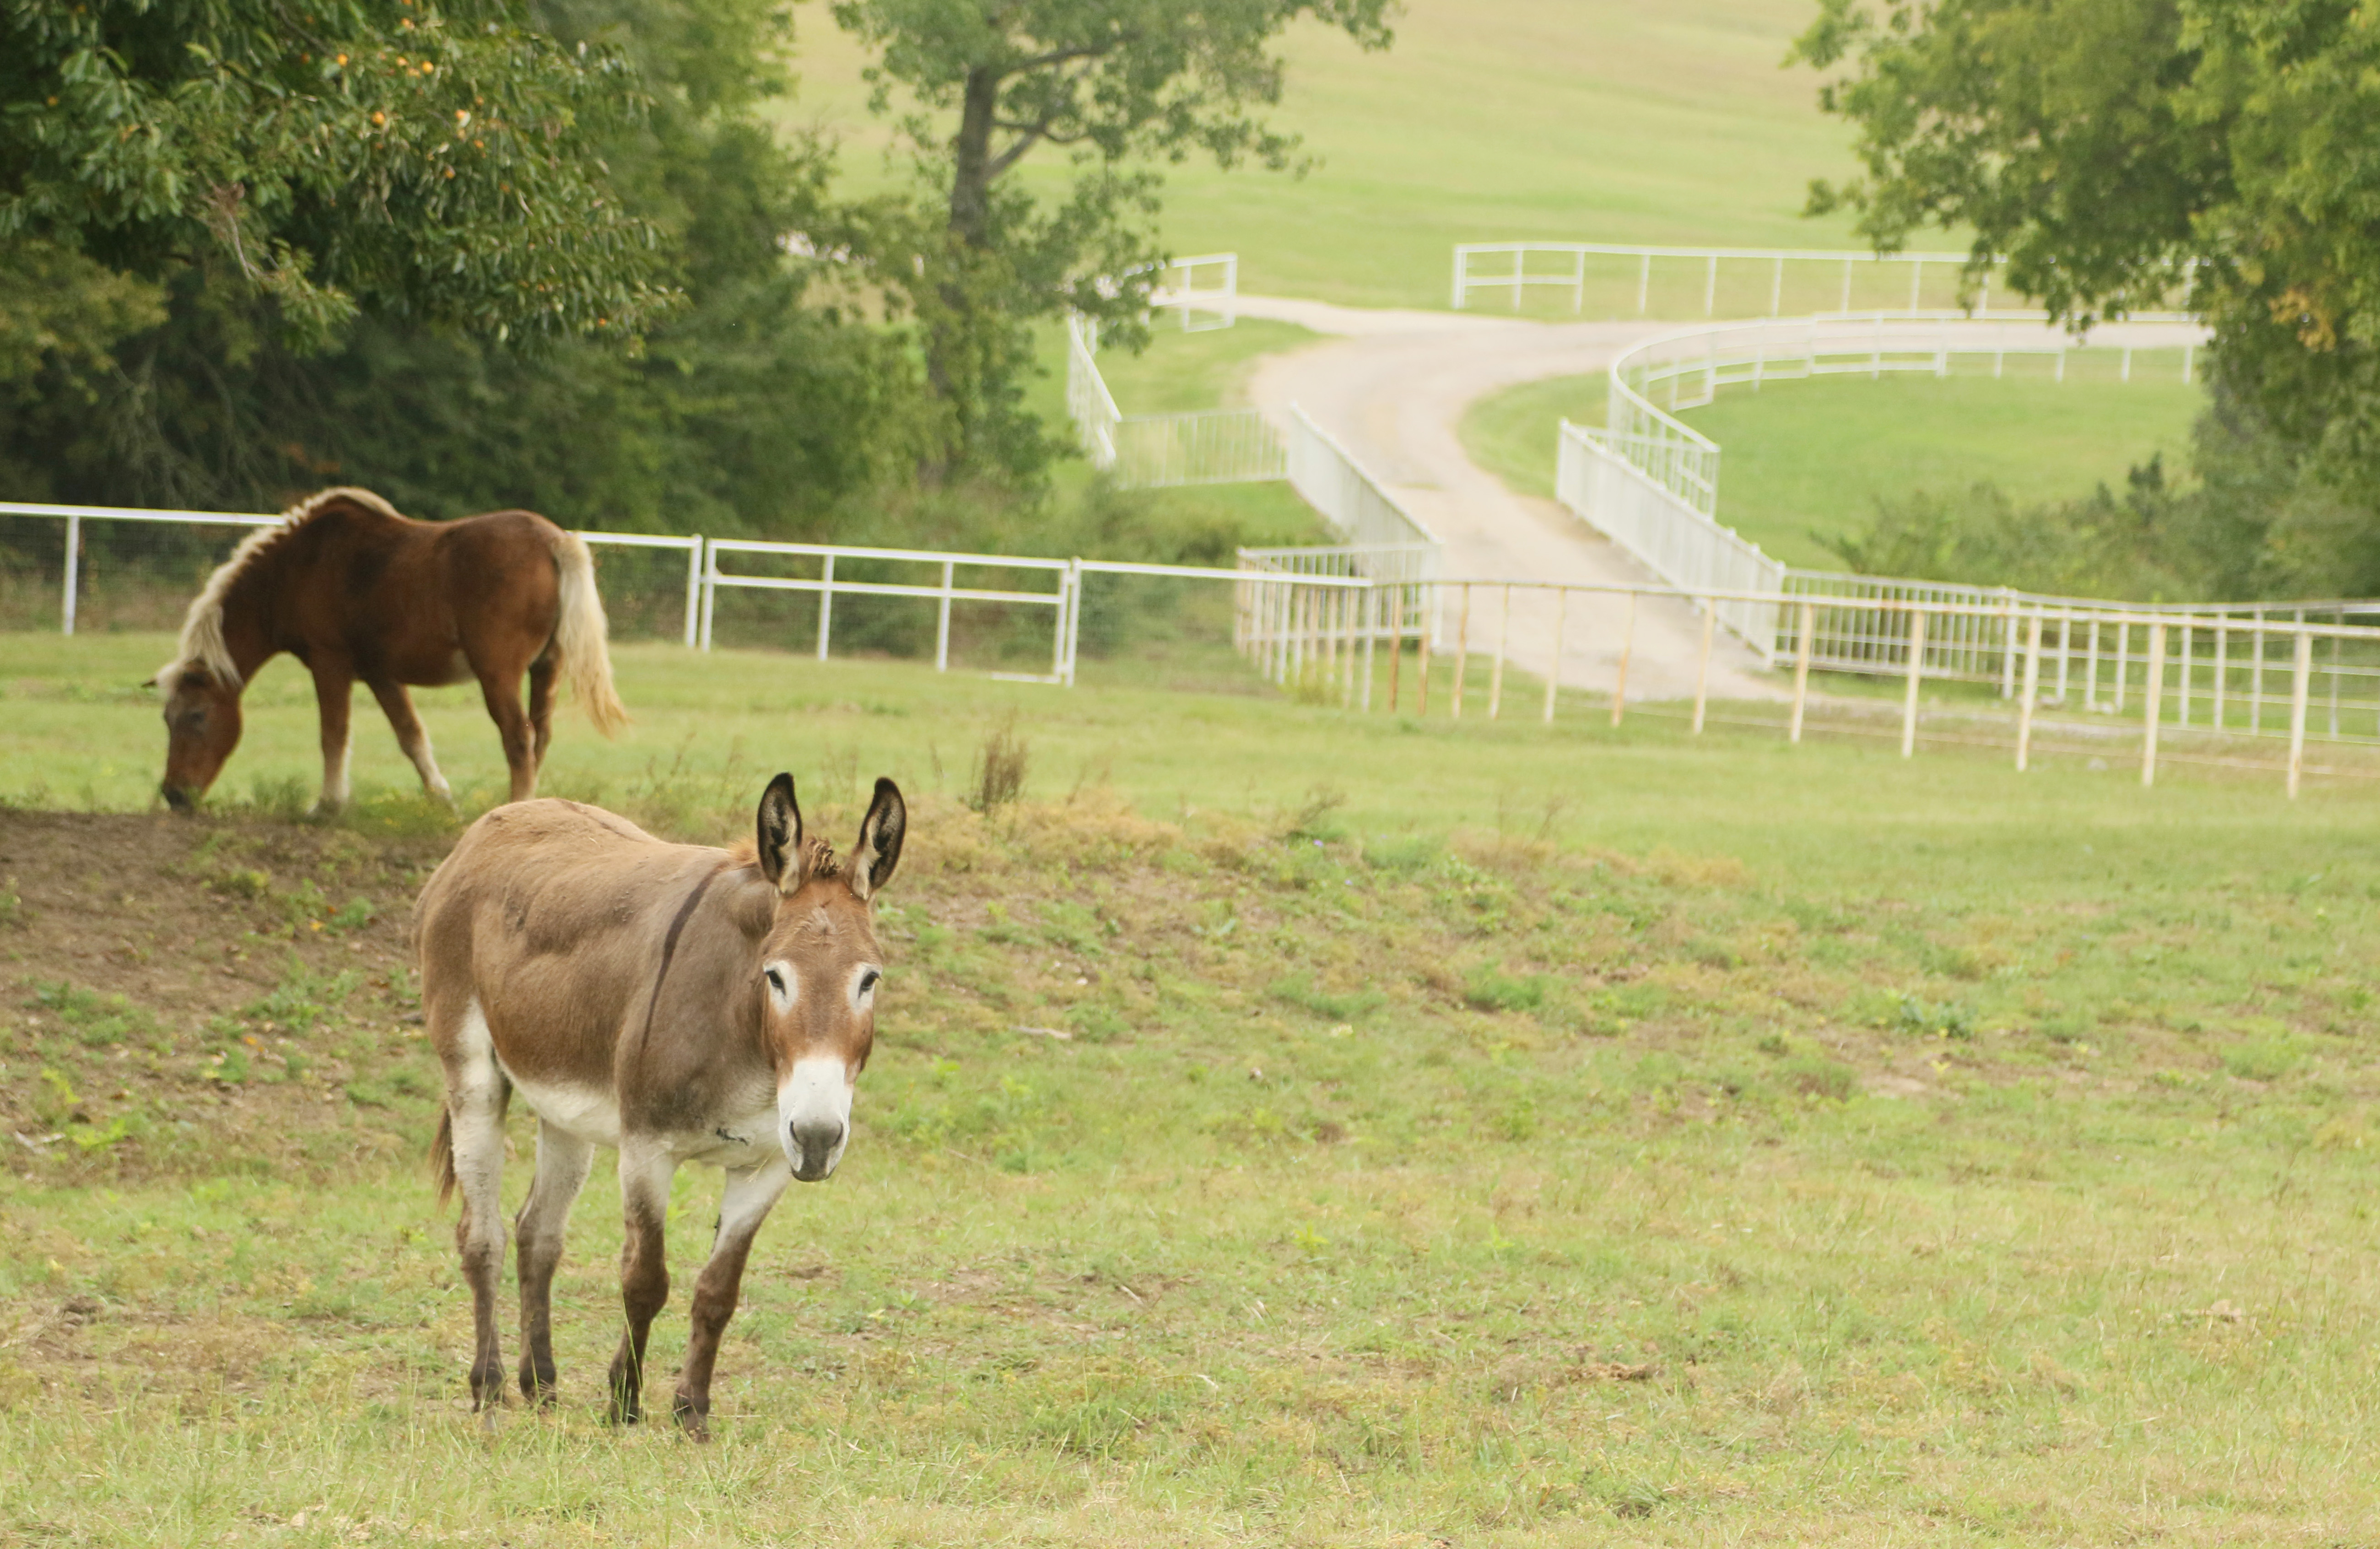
749	1195
645	1172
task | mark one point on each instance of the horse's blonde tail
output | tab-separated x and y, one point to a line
579	637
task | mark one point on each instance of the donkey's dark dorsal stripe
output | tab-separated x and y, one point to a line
676	1002
357	591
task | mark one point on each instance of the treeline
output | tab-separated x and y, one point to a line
2254	516
557	254
2107	149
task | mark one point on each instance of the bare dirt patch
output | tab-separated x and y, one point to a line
177	992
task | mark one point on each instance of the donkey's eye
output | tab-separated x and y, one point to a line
776	981
867	981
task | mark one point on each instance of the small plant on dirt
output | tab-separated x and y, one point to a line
1927	1020
1815	1075
12	907
98	1021
242	882
1310	819
1488	989
1298	990
999	769
2261	1060
302	998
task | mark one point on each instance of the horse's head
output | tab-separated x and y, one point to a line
202	729
820	967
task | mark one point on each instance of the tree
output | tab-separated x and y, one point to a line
749	406
2110	147
1116	83
436	164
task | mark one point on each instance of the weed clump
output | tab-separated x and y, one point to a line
999	769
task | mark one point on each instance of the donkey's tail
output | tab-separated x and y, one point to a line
441	1155
579	636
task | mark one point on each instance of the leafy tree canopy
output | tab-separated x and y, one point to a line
977	86
433	162
2103	144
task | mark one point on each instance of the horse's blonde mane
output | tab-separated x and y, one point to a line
202	628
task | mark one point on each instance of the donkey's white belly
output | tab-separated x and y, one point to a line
594	1116
590	1113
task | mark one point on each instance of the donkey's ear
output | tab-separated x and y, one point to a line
781	835
878	850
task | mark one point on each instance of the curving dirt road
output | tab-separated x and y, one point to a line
1393	385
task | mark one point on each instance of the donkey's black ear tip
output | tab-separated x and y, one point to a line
884	787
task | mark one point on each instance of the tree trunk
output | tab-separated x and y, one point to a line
971	179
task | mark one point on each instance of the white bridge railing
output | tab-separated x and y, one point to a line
1650	482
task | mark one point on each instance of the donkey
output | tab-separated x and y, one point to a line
675	1002
353	590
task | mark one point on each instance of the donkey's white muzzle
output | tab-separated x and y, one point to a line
814	1116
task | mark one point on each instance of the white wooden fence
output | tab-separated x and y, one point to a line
1149	451
1624	280
1651	482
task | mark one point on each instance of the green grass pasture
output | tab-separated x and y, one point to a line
1810	457
1500	120
1472	1132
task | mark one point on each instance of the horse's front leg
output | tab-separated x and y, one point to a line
645	1172
749	1195
335	683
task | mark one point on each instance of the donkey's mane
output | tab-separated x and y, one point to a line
821	853
202	642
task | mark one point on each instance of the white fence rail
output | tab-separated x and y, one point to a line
1320	621
1208	296
1345	491
73	518
1651	482
1669	536
1149	451
1652	381
1622	279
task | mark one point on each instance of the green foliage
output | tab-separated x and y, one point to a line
752	406
2234	135
1118	83
439	162
2136	547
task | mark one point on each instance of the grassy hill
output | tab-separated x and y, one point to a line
1578	1136
1806	459
1490	120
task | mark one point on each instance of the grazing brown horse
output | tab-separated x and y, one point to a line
353	590
675	1002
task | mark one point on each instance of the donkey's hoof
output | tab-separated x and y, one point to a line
693	1417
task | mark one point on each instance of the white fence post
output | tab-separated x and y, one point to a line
826	604
693	591
942	623
2301	678
2153	702
710	589
73	569
2032	691
1916	671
